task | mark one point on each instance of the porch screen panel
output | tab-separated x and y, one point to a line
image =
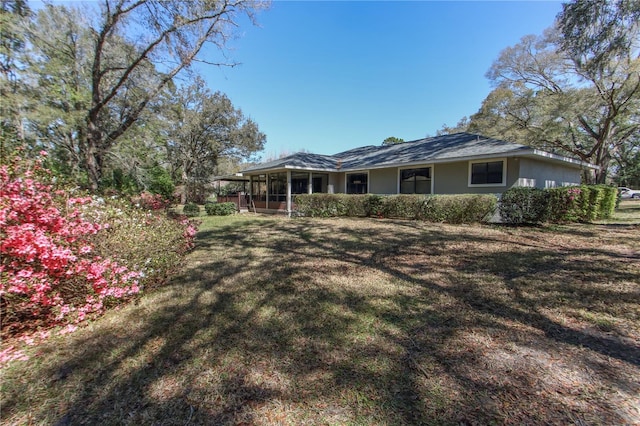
415	181
277	187
259	188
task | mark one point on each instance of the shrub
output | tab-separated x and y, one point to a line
609	201
521	205
373	205
160	182
49	271
64	258
463	208
191	210
149	201
403	206
323	205
220	209
441	208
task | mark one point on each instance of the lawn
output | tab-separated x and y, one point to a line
363	322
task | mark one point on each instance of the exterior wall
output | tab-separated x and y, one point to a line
453	178
542	174
383	181
336	183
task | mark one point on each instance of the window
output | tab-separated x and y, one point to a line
487	173
415	181
357	183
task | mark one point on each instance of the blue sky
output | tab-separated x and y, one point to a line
329	76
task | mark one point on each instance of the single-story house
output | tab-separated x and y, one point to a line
460	163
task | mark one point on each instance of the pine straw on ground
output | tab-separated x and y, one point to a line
359	321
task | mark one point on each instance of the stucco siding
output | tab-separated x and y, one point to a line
453	178
541	174
383	181
336	183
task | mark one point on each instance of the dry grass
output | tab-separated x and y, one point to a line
334	322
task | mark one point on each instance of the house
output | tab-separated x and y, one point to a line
449	164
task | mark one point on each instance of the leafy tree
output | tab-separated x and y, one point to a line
461	126
598	32
392	140
627	164
567	95
110	67
12	42
205	127
57	83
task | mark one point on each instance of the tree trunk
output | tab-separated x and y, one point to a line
185	187
93	156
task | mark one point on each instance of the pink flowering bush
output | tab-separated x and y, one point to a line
64	258
149	201
48	271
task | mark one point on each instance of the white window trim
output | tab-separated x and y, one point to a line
486	185
420	166
346	179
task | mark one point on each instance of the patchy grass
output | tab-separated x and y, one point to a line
361	322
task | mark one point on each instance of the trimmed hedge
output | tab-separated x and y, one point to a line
524	205
220	209
584	203
465	208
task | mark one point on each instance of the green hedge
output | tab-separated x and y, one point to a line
220	209
463	208
521	205
466	208
584	203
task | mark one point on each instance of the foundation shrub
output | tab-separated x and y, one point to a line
374	205
324	205
404	206
524	205
355	205
441	208
463	208
610	200
584	203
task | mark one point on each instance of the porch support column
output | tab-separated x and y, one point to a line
266	179
250	191
310	185
289	193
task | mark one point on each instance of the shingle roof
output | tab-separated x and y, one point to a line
438	148
459	145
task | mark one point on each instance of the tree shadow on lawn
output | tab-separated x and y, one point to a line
323	322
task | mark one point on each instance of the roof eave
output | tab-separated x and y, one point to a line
556	157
